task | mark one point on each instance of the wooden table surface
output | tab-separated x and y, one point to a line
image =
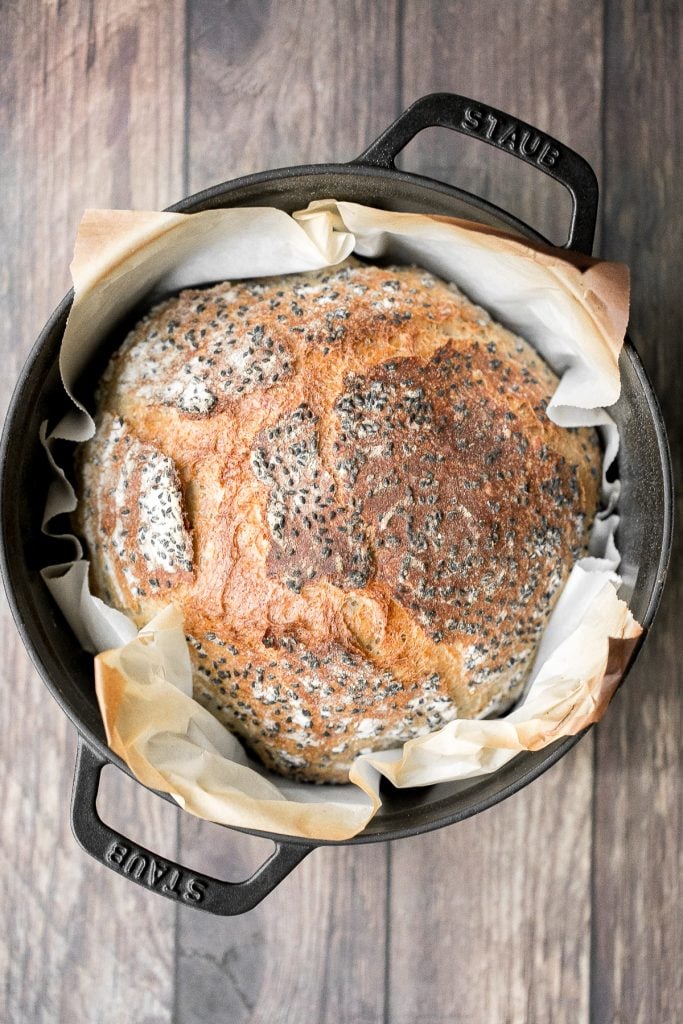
560	905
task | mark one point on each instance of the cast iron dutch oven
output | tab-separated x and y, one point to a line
373	179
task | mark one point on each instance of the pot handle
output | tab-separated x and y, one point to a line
479	121
161	875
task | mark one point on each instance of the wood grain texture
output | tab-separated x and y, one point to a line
638	961
539	62
276	84
312	951
94	104
271	85
506	936
490	918
560	906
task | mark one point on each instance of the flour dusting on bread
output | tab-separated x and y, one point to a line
348	483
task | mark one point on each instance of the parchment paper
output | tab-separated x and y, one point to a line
571	308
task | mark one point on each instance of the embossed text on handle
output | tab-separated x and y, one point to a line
155	873
506	133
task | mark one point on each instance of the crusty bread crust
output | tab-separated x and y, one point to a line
348	483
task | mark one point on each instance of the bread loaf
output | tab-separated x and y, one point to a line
348	483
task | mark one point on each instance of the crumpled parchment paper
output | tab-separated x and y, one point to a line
571	308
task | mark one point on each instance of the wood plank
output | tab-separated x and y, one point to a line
271	85
638	974
95	102
490	920
539	62
312	951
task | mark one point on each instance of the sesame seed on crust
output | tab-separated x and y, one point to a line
348	483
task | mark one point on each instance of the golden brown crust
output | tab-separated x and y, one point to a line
347	482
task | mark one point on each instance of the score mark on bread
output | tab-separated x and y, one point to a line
313	535
347	482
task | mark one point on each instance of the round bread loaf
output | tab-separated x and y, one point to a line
348	483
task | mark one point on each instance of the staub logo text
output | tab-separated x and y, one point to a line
153	873
511	135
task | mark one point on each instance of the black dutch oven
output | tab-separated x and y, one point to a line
645	505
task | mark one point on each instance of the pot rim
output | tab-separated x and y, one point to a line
206	199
